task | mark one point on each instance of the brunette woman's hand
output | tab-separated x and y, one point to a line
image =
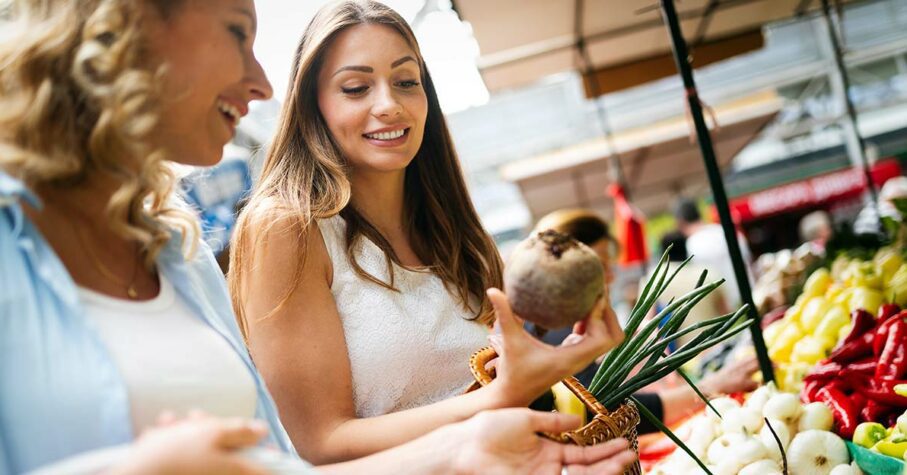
197	444
527	367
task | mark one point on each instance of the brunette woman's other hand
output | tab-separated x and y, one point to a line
527	367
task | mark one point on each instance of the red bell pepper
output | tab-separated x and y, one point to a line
810	388
893	360
841	408
887	311
824	370
881	331
853	350
874	412
882	391
863	321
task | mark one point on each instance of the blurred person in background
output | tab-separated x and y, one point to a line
816	228
671	405
706	244
117	326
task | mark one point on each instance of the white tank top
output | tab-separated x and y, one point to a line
409	348
169	358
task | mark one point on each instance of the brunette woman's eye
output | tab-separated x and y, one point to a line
408	84
239	33
354	91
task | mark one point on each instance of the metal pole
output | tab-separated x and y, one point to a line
681	58
856	146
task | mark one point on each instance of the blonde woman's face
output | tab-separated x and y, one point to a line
371	97
212	76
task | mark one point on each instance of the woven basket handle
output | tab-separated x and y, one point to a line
480	359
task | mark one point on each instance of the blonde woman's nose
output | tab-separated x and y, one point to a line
257	82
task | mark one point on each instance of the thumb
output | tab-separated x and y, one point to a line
552	421
507	322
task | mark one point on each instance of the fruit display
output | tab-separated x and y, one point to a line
553	280
825	313
771	432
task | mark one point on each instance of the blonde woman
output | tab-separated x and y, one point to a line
360	267
110	325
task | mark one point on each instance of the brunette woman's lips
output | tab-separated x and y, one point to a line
393	138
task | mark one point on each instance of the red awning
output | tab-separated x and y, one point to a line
811	192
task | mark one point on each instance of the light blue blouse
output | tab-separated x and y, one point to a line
60	391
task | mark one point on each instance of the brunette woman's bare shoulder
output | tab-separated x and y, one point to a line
284	240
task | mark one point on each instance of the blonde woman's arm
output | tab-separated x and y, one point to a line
301	352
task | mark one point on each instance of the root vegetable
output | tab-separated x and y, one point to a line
768	440
553	280
816	452
815	415
761	467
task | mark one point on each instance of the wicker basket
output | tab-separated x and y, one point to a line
603	426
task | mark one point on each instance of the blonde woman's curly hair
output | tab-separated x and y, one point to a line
77	98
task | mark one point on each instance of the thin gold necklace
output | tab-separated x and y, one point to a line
131	291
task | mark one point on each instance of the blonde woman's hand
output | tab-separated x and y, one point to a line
527	367
196	444
505	441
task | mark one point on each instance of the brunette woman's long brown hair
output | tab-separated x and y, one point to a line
304	178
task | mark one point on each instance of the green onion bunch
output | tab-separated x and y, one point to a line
646	344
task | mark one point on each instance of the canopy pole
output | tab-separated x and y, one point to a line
856	146
682	59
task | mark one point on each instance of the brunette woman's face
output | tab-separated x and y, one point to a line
212	76
371	97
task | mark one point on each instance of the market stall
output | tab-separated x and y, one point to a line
825	421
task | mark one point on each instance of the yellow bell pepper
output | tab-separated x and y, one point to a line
784	343
866	298
771	332
817	283
887	261
834	290
566	402
896	286
809	349
838	266
835	318
813	312
866	276
893	446
900	389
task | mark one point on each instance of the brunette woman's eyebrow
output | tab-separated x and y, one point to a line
368	69
403	60
361	69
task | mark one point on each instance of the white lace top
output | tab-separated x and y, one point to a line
407	348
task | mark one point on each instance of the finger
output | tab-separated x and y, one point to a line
166	418
613	326
579	327
614	465
574	454
238	433
552	421
506	321
197	415
572	339
496	343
